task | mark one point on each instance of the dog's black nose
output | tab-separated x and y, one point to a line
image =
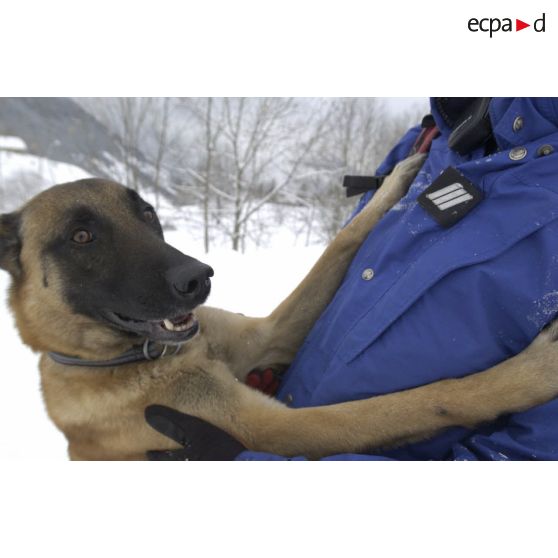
190	280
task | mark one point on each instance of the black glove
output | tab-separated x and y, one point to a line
201	441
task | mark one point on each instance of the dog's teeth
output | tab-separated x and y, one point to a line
170	326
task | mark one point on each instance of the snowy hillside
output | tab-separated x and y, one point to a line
23	174
59	129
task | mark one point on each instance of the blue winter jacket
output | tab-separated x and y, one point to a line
445	303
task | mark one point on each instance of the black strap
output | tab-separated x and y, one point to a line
357	185
428	121
138	353
469	120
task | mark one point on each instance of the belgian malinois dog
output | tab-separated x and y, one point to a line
93	280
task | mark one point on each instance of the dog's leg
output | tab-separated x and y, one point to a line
282	333
524	381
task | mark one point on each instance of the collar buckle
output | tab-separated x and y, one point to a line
147	353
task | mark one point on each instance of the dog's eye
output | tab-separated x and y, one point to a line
149	215
82	236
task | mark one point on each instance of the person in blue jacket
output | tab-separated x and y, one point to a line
451	298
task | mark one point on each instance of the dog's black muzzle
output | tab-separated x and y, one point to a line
190	282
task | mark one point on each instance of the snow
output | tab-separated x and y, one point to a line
252	283
23	175
545	309
53	172
12	142
27	433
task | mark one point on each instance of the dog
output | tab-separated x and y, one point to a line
97	291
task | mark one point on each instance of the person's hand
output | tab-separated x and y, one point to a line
200	440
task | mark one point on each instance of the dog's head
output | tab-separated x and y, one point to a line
90	270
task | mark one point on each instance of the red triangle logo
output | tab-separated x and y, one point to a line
519	25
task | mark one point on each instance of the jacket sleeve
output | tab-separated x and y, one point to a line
531	435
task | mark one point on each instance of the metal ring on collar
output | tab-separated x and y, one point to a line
146	351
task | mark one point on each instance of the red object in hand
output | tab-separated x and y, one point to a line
264	380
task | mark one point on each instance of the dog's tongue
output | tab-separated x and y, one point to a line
182	323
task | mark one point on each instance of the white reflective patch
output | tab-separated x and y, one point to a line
450	196
456	201
451	188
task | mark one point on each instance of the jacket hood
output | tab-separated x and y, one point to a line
539	115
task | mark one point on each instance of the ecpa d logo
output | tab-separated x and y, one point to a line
494	24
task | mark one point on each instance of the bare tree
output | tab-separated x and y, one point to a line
129	118
245	163
133	112
162	144
209	114
359	134
264	150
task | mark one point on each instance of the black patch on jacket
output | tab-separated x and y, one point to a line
450	197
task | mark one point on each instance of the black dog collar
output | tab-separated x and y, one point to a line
139	353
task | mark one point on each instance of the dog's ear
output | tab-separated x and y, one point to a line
10	243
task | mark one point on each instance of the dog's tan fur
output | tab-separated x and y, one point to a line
101	412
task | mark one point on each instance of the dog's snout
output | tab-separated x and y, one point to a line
190	280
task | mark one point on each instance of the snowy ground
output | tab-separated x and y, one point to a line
252	283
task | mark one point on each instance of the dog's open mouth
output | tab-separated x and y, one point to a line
182	323
177	329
